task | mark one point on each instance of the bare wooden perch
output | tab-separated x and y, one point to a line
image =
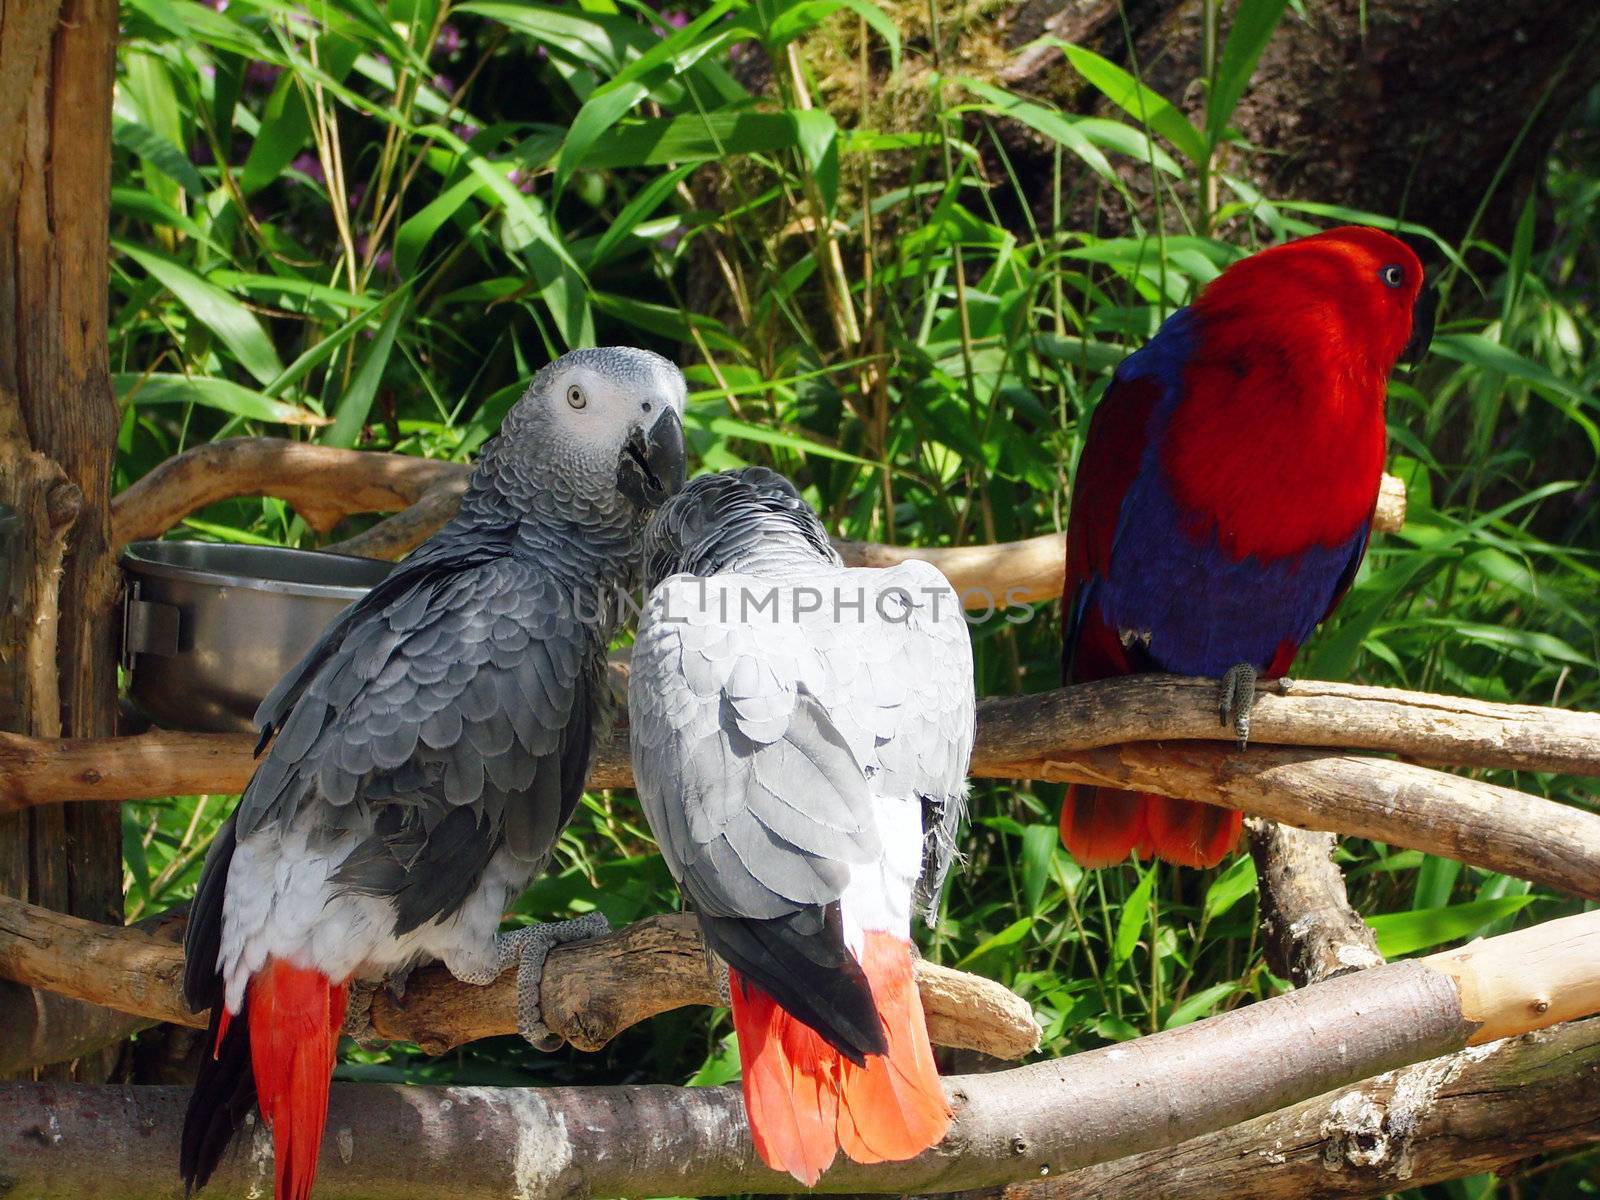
1310	930
592	990
1478	1110
1074	735
1024	1123
324	484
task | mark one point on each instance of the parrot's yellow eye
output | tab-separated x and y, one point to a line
1393	275
575	396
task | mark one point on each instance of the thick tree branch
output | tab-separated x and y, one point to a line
325	484
322	483
1311	933
1077	734
1011	730
592	990
1024	1123
1481	1109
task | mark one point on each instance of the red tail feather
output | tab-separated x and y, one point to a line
295	1017
806	1101
1101	827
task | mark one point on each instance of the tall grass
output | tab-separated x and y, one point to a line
365	225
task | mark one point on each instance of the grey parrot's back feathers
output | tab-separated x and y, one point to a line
798	728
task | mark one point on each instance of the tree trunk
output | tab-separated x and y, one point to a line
58	426
1408	107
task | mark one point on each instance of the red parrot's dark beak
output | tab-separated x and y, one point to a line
1423	314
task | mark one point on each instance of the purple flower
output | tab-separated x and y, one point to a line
358	193
310	166
444	85
740	51
466	132
382	261
521	180
677	18
260	76
216	5
449	40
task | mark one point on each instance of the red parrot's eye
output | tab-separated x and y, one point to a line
1393	275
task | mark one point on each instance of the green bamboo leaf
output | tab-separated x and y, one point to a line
1230	887
1199	1005
221	394
1253	23
671	56
1039	844
1131	921
351	412
235	326
1150	109
639	208
1407	932
1009	936
158	152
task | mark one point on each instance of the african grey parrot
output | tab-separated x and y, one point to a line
801	733
429	750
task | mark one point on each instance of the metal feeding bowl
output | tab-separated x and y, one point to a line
209	629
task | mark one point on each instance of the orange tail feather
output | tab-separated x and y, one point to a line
806	1101
1100	827
295	1017
1190	834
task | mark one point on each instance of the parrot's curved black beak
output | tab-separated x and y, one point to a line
654	462
1423	314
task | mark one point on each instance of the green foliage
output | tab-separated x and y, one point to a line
364	226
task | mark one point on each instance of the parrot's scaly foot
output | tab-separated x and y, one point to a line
527	948
1237	698
358	1016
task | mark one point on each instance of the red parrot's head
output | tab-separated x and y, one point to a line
1355	290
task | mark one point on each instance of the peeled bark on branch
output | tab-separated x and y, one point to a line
1481	1109
1024	1123
1310	931
325	484
592	990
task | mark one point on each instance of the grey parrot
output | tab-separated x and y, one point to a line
425	755
801	734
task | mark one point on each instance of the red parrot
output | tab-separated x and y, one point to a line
1224	497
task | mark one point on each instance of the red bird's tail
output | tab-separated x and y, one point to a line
807	1101
1101	827
295	1018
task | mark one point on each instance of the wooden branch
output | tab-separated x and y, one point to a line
325	484
592	990
1493	827
1309	929
1475	1111
1012	730
1024	1123
322	483
1069	736
1299	712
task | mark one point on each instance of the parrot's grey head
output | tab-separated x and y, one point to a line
602	422
741	520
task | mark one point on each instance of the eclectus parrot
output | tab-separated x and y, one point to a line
801	733
425	755
1224	497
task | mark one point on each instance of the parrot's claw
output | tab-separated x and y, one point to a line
527	949
1237	698
358	1015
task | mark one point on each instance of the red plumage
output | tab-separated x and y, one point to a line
807	1101
1222	500
295	1017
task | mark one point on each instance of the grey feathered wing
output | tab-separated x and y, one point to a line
447	714
759	745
